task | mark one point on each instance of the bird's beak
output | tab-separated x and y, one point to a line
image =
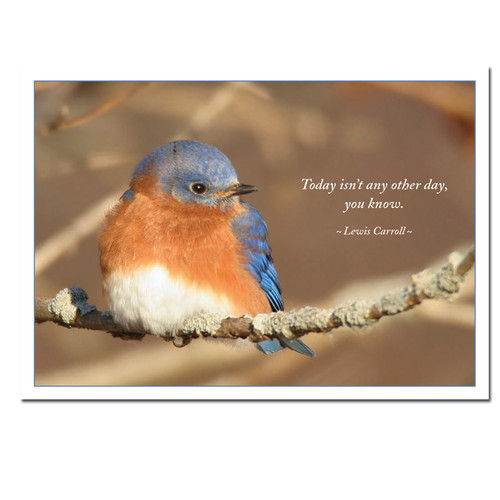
238	189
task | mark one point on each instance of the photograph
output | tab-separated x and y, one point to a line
255	234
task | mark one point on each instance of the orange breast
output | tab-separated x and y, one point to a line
194	243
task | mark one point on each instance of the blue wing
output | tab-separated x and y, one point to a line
250	229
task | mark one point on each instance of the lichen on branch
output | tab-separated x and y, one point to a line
69	308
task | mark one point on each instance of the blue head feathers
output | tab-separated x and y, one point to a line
193	173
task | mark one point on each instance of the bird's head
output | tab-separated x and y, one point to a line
192	173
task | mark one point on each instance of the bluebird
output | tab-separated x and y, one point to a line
180	242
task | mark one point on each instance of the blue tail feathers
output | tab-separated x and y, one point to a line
275	345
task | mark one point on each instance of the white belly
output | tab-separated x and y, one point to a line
152	301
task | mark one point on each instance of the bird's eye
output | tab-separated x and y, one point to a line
198	188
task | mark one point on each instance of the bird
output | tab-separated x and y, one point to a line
180	242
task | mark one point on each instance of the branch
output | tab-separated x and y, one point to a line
69	308
61	123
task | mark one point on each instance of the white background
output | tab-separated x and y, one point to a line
226	450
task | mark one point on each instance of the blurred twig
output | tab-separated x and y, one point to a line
70	236
455	100
61	123
70	309
222	98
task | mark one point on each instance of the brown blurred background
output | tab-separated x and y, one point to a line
89	137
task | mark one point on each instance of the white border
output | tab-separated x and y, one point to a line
480	391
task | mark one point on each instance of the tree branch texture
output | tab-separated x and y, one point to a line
70	308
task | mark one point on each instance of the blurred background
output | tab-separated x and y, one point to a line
89	136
